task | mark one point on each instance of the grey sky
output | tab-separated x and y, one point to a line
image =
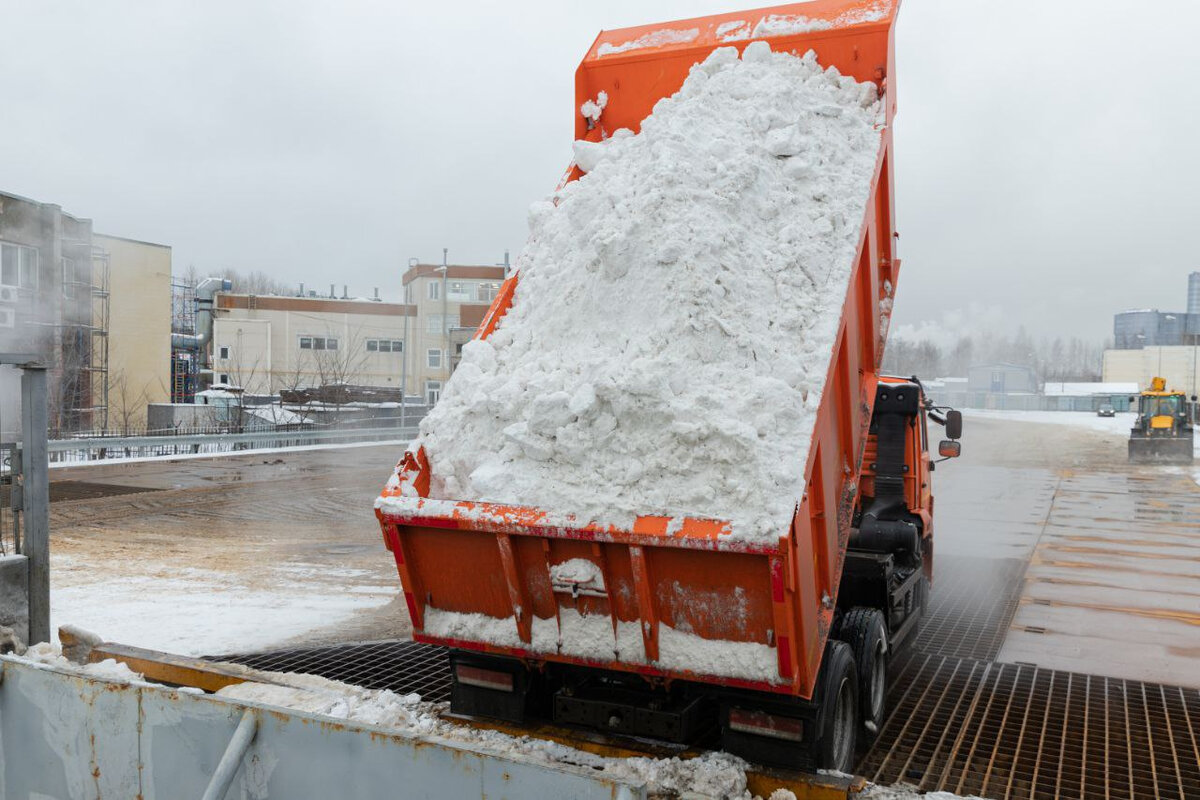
1047	156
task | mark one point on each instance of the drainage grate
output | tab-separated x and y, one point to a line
1017	732
402	667
971	607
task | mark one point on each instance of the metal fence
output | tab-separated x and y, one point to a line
103	448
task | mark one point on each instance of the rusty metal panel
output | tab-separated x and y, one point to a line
66	737
69	737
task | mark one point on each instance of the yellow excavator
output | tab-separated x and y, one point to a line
1162	433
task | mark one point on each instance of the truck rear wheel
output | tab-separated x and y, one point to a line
863	629
837	720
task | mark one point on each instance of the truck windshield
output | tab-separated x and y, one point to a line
1162	406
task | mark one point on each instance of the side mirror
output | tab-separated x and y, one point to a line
954	424
948	449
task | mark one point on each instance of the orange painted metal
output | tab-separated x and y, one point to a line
495	560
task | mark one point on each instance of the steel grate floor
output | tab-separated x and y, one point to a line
958	721
970	607
402	667
1017	732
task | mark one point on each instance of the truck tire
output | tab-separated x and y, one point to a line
863	629
837	719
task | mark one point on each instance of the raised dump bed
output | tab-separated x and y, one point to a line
743	600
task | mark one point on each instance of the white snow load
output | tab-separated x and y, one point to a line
676	309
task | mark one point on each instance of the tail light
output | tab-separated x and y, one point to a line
484	678
761	723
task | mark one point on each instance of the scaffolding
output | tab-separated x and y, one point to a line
185	363
81	366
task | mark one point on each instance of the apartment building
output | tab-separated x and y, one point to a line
450	302
267	343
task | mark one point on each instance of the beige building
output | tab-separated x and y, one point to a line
268	343
1178	364
139	327
449	306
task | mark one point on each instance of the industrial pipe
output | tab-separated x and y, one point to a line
206	290
232	758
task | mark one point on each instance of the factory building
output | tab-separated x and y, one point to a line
1149	343
265	344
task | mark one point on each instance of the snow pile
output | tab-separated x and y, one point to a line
592	636
676	311
652	39
50	655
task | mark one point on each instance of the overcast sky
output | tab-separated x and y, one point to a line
1047	152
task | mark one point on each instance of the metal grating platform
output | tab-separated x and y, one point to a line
958	720
970	607
1016	732
401	667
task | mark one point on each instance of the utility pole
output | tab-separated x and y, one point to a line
445	319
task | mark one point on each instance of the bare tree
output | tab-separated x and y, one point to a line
126	402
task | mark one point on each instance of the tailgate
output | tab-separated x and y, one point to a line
658	602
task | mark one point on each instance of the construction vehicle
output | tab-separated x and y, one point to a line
829	602
1162	433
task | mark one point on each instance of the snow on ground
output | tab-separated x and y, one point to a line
673	324
203	612
1117	426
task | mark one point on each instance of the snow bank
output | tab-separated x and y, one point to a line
675	316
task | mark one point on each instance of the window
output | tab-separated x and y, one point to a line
486	292
435	323
459	292
224	355
435	290
318	343
68	278
18	265
433	358
433	392
225	378
385	346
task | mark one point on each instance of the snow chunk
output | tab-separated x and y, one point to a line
592	109
673	324
788	25
576	574
733	31
652	39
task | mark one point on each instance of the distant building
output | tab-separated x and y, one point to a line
264	343
86	304
1149	327
449	308
1002	379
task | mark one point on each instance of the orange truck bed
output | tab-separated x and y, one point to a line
688	603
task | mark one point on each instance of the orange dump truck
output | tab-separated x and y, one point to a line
776	651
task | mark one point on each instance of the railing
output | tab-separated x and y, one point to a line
105	448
